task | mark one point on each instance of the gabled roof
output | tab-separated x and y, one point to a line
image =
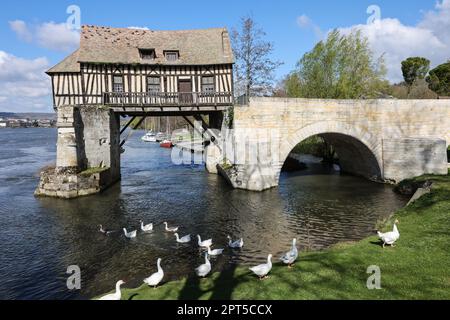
121	46
69	64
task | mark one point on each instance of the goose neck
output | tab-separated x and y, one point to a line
118	284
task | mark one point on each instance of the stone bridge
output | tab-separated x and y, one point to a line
384	140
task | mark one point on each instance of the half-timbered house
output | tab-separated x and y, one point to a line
130	67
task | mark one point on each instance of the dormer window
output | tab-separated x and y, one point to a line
171	55
147	54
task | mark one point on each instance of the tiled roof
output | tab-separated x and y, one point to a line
69	64
121	45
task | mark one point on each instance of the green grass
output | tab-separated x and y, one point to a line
416	268
92	171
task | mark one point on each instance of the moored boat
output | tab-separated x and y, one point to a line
149	137
166	144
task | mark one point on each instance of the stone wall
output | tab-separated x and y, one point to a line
412	157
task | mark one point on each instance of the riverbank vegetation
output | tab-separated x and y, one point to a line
416	268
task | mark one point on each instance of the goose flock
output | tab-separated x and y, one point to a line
204	269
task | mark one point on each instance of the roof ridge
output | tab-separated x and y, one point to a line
150	30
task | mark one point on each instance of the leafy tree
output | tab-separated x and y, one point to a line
254	72
439	79
292	85
340	67
420	90
415	68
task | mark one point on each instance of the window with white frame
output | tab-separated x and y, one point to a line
118	84
153	84
171	55
208	84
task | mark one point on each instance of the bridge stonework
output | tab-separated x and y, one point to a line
385	140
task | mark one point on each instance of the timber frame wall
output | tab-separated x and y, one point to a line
88	86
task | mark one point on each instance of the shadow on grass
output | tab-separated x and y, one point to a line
225	284
191	289
131	297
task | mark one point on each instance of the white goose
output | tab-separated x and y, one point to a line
263	269
235	244
184	239
214	252
390	237
204	269
131	234
147	227
290	256
155	278
174	229
205	243
116	295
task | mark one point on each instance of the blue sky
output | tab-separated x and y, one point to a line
293	26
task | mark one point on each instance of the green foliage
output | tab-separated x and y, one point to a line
229	117
418	90
340	67
292	85
439	79
91	171
415	68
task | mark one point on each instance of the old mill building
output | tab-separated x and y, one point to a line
129	67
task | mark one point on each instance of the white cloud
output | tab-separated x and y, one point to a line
305	22
23	84
57	36
49	35
21	29
430	38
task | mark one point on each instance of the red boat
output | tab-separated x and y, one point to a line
166	144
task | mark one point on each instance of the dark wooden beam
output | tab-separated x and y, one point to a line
127	125
134	128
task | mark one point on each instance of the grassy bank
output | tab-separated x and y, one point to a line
417	268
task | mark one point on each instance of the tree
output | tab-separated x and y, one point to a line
254	71
340	67
292	85
415	68
439	79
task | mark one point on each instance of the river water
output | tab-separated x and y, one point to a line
41	237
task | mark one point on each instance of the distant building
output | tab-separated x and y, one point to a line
45	123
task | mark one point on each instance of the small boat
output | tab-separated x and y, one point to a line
149	137
160	137
166	144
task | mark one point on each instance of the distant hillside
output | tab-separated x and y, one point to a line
28	115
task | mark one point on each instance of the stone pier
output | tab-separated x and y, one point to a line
88	153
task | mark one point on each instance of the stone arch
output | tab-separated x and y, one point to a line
360	152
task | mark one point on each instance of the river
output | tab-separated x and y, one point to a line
41	237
